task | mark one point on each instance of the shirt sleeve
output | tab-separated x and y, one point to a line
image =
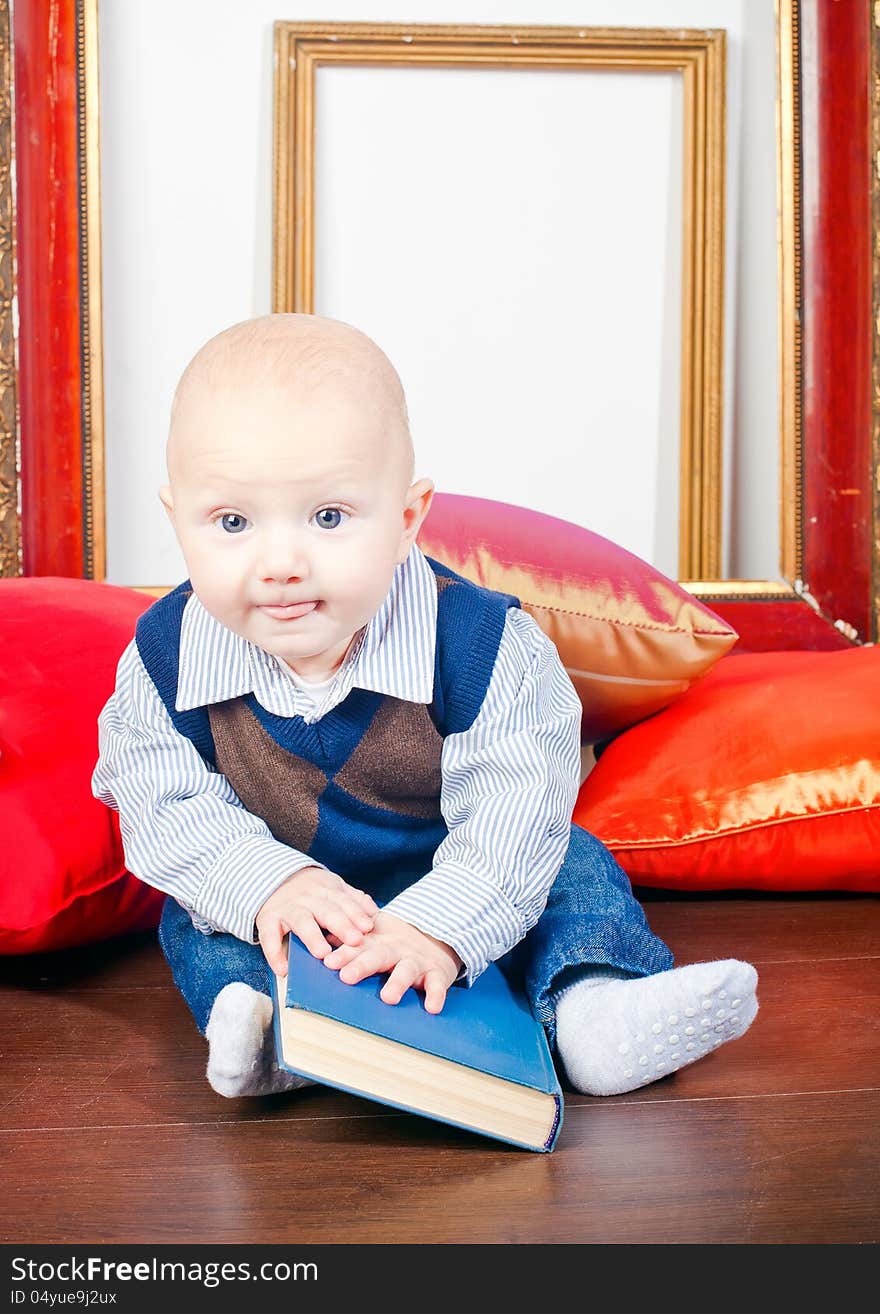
509	786
184	829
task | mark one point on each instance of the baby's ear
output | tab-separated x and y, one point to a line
416	506
167	500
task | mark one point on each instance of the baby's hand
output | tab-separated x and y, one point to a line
412	957
309	903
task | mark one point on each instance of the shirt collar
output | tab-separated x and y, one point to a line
394	656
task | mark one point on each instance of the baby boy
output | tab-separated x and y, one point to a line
325	733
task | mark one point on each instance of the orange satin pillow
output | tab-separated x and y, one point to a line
764	776
631	639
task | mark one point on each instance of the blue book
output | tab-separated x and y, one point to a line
482	1064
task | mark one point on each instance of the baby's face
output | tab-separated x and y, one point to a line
292	515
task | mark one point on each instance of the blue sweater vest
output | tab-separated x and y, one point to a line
359	789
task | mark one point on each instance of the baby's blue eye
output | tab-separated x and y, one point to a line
329	517
232	522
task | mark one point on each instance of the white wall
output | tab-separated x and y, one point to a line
525	278
186	156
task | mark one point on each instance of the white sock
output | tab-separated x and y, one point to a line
614	1035
241	1055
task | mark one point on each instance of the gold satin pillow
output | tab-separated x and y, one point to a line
632	640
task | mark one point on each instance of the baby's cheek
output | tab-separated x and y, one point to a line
360	586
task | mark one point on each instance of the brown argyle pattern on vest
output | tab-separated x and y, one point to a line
396	766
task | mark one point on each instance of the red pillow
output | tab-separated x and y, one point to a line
631	639
764	776
63	879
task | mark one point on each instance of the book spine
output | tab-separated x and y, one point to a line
557	1126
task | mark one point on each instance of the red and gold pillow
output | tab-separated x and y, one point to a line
764	776
63	879
631	639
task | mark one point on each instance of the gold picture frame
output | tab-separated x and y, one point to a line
301	48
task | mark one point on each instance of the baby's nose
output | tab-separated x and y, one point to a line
283	560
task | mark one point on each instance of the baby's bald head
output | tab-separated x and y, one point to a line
301	359
291	484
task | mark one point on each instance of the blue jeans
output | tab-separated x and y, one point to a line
591	920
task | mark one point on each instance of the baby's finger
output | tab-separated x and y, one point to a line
359	914
368	902
335	919
271	937
369	961
435	990
405	975
307	929
341	955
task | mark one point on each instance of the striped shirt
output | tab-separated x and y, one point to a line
508	783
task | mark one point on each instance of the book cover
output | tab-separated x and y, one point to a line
483	1063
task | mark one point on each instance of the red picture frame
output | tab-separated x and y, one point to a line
834	480
50	290
835	558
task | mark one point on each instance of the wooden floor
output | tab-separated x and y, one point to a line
109	1132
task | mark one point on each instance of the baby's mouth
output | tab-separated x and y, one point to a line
293	612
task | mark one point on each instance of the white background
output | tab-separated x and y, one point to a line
509	237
